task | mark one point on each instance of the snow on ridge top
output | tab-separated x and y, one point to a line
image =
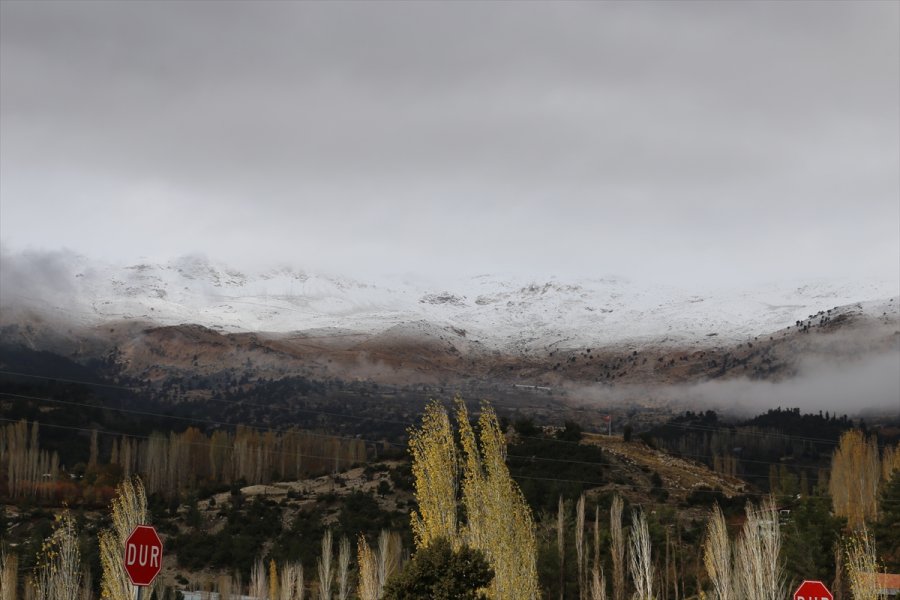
498	311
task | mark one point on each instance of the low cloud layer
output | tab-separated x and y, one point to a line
708	142
853	386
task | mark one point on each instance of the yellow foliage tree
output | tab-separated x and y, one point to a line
129	509
368	571
862	565
58	575
435	470
855	477
890	462
273	580
498	520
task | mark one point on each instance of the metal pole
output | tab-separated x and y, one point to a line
139	588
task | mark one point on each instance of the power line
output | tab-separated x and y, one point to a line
179	418
282	431
669	489
290	454
197	420
686	426
288	432
75	381
243	402
724	429
208	444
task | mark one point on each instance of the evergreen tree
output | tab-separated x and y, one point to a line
498	520
438	572
810	537
887	529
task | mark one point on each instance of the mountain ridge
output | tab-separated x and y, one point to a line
506	314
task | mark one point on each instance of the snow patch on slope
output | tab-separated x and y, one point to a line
499	312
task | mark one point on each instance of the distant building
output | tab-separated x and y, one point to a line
888	585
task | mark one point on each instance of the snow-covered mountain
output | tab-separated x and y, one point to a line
499	312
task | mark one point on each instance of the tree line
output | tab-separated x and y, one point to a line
475	536
169	464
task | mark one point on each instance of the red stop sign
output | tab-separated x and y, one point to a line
812	590
143	555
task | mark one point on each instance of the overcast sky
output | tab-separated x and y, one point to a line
677	141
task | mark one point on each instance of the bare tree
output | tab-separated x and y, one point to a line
390	549
368	571
579	548
617	541
325	569
291	587
344	569
9	567
758	571
598	580
717	556
223	587
259	581
129	509
237	585
598	584
58	575
561	546
291	581
862	565
640	561
596	537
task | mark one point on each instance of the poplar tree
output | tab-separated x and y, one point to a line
862	564
344	569
368	588
59	575
717	556
598	580
291	587
326	573
259	582
640	562
618	548
129	509
9	566
498	519
434	470
855	477
579	548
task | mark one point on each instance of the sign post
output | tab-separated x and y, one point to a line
143	556
812	590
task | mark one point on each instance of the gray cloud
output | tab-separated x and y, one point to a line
868	384
864	385
692	141
853	370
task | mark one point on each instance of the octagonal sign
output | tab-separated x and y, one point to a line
143	555
812	590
